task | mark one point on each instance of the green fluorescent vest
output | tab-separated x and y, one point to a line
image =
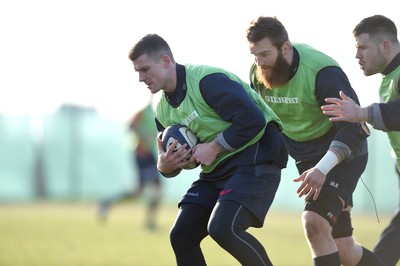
388	92
197	115
295	102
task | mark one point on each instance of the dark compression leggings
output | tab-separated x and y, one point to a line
227	226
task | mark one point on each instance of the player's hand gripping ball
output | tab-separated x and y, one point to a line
184	136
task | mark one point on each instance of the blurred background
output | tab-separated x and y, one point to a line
67	88
75	154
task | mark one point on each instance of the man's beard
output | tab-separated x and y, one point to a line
274	76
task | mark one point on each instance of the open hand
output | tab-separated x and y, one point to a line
344	109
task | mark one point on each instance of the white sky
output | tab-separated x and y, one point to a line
57	51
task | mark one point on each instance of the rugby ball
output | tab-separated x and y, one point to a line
184	136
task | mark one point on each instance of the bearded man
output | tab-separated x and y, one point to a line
294	80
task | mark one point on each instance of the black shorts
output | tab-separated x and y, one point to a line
341	181
253	186
343	178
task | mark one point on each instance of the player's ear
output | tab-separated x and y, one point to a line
165	60
285	48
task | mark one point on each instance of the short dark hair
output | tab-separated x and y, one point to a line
152	45
267	27
375	26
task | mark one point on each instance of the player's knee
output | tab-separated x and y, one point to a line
178	238
217	231
313	224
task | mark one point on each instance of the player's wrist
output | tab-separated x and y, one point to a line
361	113
219	146
327	162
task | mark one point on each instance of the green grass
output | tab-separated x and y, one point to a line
50	234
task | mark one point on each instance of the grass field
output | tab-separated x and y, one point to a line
51	234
